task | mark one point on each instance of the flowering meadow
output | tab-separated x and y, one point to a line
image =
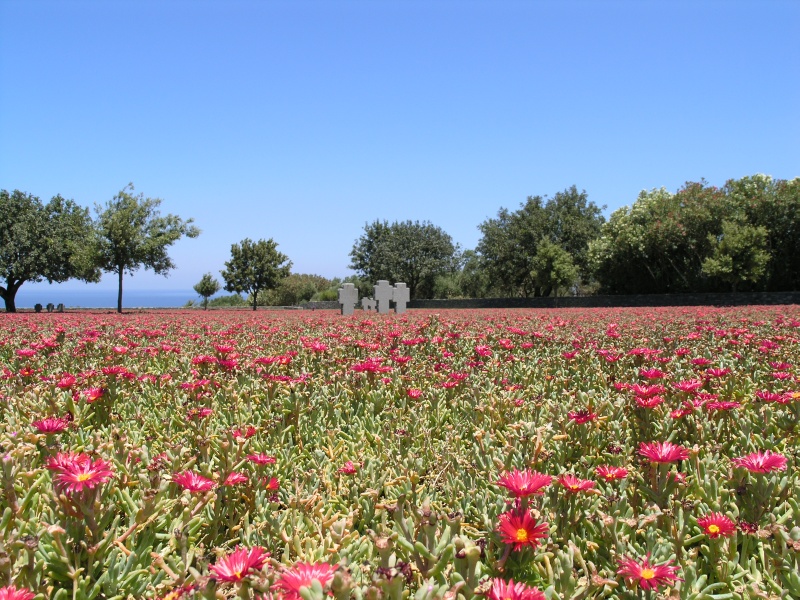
527	454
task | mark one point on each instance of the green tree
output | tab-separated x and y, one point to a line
739	254
775	205
206	287
410	252
295	289
42	242
255	266
131	233
510	242
552	268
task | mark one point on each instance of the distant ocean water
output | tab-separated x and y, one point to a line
93	298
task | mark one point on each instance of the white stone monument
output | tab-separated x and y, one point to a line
383	295
348	297
368	304
400	296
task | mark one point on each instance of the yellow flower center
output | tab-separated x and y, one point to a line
713	529
647	574
84	477
522	535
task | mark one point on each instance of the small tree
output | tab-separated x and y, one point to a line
206	287
255	266
552	269
131	233
42	241
739	254
412	252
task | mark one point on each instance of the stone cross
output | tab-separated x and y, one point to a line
400	295
348	296
368	304
50	307
60	307
383	294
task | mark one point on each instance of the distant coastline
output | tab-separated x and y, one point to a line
94	298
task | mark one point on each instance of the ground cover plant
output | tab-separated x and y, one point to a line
486	454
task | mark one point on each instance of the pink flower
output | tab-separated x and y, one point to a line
582	416
525	483
646	575
302	575
12	592
235	478
689	386
78	472
663	452
610	473
261	459
348	468
574	484
92	394
483	350
51	424
521	529
761	462
189	480
510	590
236	565
716	524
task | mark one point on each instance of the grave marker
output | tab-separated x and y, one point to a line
368	304
383	295
348	296
400	295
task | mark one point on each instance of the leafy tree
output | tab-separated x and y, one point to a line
233	300
294	289
666	243
131	233
411	252
552	268
739	254
42	242
206	287
473	278
510	242
775	205
255	266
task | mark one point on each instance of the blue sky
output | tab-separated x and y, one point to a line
303	120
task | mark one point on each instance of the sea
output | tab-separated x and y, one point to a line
104	298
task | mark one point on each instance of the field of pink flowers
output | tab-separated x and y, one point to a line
508	455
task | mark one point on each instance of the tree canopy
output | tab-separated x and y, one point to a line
206	287
131	233
414	253
255	266
561	226
42	242
743	236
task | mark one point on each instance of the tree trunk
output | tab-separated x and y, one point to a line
9	295
255	300
11	306
119	292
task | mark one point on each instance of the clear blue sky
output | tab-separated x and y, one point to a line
302	120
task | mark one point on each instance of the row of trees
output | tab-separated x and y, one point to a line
59	240
743	236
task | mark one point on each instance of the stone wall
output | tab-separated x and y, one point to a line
321	305
739	299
